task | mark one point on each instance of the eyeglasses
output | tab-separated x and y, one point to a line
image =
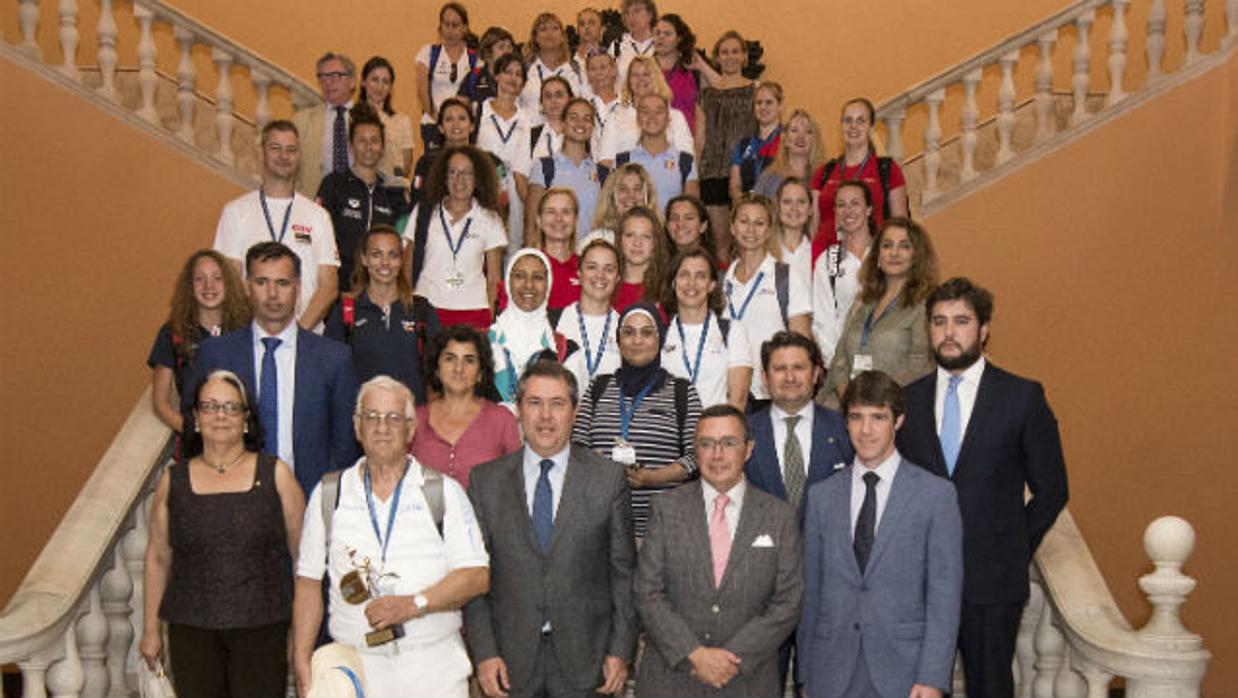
373	418
459	174
334	75
229	408
727	443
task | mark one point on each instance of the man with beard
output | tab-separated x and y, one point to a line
991	433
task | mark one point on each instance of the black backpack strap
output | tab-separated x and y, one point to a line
535	134
603	173
596	390
622	159
826	171
884	165
553	315
421	322
685	167
548	171
421	233
782	286
724	326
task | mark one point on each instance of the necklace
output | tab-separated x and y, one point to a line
221	468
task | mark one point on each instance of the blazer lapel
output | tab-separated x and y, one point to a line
575	484
819	466
247	366
986	397
519	498
839	519
928	408
750	516
766	454
302	370
896	504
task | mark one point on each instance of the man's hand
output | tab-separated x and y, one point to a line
492	675
615	671
390	610
921	691
714	666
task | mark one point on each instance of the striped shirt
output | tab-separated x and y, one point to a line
654	433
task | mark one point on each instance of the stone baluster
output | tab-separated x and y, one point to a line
1156	39
223	104
1069	683
1025	644
92	631
34	671
1046	126
932	143
262	85
147	80
1098	679
894	132
1005	107
1168	542
65	678
115	590
1049	649
28	18
106	30
1083	58
968	117
1193	27
133	549
1117	52
69	37
186	79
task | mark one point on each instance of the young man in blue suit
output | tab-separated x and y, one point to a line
992	434
305	385
883	564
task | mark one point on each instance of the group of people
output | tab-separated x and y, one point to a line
593	361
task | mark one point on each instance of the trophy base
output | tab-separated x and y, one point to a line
382	637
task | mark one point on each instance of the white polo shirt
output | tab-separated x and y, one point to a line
507	139
485	232
441	84
531	95
762	317
831	303
718	356
622	133
602	348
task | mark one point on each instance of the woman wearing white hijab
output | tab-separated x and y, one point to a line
522	333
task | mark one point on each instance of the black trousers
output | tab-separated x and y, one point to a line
232	663
987	636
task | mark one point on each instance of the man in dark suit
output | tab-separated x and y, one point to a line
992	433
558	619
718	584
304	385
883	564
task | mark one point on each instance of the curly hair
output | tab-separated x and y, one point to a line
716	302
464	334
183	315
485	178
921	278
686	44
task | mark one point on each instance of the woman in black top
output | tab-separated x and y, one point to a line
224	525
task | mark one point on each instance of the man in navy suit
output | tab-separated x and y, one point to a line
305	385
797	442
991	433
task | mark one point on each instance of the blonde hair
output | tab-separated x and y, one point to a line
781	165
606	217
659	80
773	242
535	49
541	208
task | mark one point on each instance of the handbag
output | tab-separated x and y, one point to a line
154	683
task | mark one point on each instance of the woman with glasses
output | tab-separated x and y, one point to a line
224	525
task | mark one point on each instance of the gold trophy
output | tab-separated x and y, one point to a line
363	583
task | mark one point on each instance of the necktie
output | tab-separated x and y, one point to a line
866	523
339	142
543	507
268	397
793	463
719	538
951	425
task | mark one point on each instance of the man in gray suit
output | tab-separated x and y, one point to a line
718	584
558	619
883	564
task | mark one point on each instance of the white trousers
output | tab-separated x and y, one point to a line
439	670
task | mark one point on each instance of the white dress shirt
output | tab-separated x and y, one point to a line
886	472
286	375
533	470
803	432
733	507
968	387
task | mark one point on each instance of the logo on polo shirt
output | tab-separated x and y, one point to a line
302	233
354	203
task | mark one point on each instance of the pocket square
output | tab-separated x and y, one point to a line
763	541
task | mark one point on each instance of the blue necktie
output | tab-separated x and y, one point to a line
543	507
951	424
339	142
268	397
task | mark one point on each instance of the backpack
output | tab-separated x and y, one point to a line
685	164
432	488
548	169
421	314
470	81
681	396
421	233
884	165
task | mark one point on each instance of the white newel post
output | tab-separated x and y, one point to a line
1045	124
147	80
932	143
1193	27
967	119
91	641
186	78
115	590
894	132
1156	39
28	18
69	37
1168	541
1082	60
262	85
1117	52
223	104
1005	107
106	31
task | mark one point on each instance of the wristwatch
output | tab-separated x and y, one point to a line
420	602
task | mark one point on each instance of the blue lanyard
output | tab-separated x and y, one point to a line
459	243
591	363
511	366
626	414
870	321
693	372
499	129
730	288
395	505
283	229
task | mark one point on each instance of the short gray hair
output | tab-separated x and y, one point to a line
349	66
391	384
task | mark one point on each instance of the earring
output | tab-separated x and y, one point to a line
196	429
246	428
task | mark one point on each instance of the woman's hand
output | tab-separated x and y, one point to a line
303	677
151	647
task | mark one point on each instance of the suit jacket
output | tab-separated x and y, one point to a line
903	611
751	614
326	393
582	586
898	344
830	446
1011	440
309	123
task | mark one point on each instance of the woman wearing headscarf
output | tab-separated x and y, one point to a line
641	417
522	333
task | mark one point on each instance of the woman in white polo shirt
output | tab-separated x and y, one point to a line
458	238
763	293
592	322
702	345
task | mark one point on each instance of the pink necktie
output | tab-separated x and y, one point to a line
719	538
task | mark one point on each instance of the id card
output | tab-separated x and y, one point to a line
861	363
623	453
455	279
